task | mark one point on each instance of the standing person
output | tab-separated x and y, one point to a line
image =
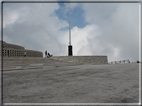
25	54
46	54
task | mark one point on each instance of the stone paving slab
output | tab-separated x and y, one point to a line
117	83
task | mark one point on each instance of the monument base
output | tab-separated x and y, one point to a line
70	50
83	59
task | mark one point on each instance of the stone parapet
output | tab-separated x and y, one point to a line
83	59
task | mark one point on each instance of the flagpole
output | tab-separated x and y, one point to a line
69	27
70	46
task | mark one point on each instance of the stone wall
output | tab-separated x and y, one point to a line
83	59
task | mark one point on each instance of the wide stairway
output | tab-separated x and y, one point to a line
30	63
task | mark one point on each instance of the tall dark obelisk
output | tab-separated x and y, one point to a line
70	48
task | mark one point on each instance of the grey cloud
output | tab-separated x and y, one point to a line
119	25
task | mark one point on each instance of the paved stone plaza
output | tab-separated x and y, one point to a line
62	82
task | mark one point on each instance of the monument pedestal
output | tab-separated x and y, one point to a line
70	50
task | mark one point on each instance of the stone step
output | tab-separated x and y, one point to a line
25	60
8	66
30	66
20	68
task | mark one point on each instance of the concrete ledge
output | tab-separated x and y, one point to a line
82	59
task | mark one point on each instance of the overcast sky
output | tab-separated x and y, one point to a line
110	29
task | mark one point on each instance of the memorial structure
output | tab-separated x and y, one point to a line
12	50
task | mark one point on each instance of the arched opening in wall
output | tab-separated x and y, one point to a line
8	53
11	52
5	52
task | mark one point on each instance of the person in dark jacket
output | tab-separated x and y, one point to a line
46	54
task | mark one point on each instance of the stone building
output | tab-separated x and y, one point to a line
13	50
